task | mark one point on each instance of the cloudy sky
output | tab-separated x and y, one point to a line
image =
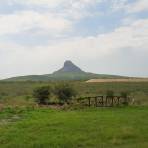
100	36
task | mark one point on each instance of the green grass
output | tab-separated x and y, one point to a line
97	128
21	126
20	93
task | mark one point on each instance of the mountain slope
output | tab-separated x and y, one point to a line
68	72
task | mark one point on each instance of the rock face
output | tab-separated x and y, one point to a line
69	67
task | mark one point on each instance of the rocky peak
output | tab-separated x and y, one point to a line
69	66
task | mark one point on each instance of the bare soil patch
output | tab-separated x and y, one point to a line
118	80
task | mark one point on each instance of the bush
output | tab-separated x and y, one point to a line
42	94
110	93
64	92
125	96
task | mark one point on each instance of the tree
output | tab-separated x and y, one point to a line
42	94
65	92
125	96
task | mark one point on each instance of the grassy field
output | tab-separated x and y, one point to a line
90	128
23	124
20	93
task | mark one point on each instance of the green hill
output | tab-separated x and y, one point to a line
68	72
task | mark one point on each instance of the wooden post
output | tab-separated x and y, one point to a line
106	101
118	101
89	102
112	98
102	101
96	104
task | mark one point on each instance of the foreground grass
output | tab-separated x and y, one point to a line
98	128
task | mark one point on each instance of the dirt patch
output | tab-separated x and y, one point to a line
1	107
14	118
53	106
118	80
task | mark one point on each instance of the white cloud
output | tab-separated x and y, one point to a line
73	9
27	20
131	37
75	3
134	7
52	20
118	4
103	47
51	3
138	6
134	37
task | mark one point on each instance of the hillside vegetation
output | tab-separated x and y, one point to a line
20	93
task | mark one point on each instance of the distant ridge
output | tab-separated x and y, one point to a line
68	72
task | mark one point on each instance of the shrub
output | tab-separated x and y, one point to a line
125	96
65	92
42	94
110	93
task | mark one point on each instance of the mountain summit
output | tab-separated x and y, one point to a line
68	72
69	67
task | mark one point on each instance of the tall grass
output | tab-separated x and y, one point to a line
21	92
